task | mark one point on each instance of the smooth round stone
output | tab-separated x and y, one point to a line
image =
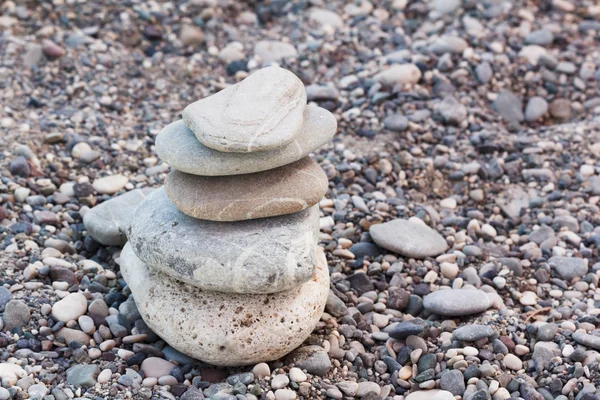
223	328
86	324
154	367
265	255
107	223
281	191
110	184
177	145
434	394
408	238
274	51
472	332
70	308
399	74
457	302
262	112
513	362
536	108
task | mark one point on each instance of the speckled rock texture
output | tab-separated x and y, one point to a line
221	328
107	223
284	190
265	255
262	112
177	145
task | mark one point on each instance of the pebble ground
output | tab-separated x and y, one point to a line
491	136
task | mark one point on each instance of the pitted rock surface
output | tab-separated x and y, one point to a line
223	328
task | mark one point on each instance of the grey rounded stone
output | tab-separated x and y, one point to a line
457	302
472	332
536	108
225	328
547	332
177	145
396	122
540	37
411	239
587	340
453	381
16	315
264	255
108	222
569	267
262	112
83	375
509	106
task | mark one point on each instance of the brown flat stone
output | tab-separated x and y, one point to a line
280	191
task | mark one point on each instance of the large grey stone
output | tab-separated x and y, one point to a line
262	112
509	106
225	328
177	145
457	302
512	200
411	239
265	255
569	267
284	190
587	340
107	223
83	375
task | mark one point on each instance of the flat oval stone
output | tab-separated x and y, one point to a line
457	302
262	112
265	255
177	145
284	190
223	328
411	239
107	223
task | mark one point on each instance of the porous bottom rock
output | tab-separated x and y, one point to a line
221	328
264	255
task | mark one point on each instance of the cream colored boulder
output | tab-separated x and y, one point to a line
224	328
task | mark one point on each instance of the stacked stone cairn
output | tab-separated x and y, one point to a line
223	262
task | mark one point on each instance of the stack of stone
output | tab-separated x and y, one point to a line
223	262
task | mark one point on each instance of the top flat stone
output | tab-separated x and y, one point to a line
262	112
177	145
411	239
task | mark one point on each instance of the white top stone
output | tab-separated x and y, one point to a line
262	112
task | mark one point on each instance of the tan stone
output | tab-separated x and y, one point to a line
226	328
285	190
